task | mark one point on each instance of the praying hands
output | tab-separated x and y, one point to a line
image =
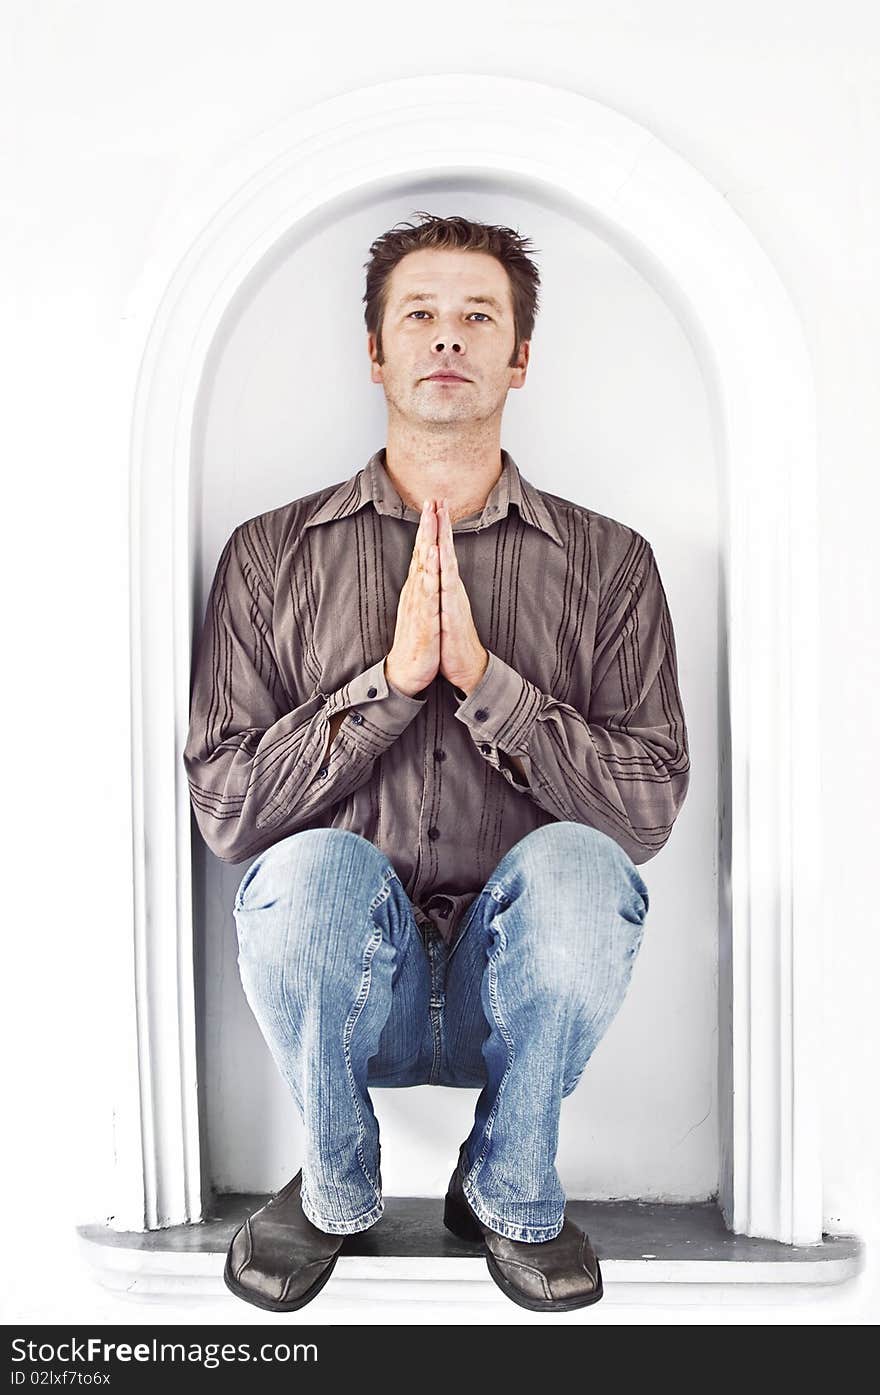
435	629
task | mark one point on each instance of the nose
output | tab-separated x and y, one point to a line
443	342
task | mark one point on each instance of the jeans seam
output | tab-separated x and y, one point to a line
348	1030
469	1180
506	1228
247	878
388	876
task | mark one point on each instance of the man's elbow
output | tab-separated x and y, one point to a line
225	838
661	832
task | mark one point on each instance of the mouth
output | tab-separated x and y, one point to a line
446	378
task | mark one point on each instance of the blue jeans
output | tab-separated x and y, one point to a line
348	991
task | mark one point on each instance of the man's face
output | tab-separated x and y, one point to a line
448	310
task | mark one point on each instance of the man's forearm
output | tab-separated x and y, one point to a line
339	717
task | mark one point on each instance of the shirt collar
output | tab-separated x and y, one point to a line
373	485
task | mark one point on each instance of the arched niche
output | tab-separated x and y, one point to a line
690	245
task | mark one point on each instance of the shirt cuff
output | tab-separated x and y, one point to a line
374	706
501	709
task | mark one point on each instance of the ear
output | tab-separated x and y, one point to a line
519	369
375	366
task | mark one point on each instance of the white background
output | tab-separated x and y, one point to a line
109	113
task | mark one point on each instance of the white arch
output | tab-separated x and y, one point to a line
685	239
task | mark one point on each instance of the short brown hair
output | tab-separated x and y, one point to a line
459	233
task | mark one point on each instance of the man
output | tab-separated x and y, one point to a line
440	709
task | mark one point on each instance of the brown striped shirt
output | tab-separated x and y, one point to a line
581	687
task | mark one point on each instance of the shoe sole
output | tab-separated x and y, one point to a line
463	1224
271	1304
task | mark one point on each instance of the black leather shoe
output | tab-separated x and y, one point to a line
277	1259
550	1276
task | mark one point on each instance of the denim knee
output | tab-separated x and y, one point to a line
308	894
278	867
570	898
546	854
565	838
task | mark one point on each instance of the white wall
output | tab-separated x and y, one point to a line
109	113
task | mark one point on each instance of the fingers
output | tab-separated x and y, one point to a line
427	574
415	560
431	574
429	547
426	537
448	559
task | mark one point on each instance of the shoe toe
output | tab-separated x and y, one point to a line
561	1271
277	1258
577	1282
249	1273
240	1251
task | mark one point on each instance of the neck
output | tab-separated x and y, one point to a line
462	468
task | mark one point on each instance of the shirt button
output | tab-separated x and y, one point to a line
439	754
485	748
371	692
357	717
323	772
433	834
481	714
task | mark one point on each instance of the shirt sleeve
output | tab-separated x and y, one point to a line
622	767
255	767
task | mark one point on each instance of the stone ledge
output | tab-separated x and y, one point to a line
637	1242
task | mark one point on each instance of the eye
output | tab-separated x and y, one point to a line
427	312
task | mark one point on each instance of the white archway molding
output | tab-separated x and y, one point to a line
684	238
